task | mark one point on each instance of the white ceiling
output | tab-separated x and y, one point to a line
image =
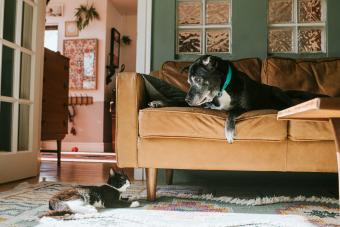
126	6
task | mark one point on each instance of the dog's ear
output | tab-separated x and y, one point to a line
209	62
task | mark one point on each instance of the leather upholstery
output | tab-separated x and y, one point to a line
130	97
311	156
193	138
309	130
172	71
318	76
210	154
188	122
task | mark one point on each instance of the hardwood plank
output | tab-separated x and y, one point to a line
73	172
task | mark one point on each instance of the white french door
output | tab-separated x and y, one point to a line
21	60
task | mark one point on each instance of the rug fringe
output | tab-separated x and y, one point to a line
249	202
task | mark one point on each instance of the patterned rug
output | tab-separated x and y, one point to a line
22	206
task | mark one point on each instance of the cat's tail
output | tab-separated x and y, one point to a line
55	204
57	208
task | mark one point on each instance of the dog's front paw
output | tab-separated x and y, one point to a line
229	135
135	204
156	104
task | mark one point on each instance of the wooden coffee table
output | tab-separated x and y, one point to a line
319	109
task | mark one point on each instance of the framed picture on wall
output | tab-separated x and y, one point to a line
54	10
115	47
71	29
83	63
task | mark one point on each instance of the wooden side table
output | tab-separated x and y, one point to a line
319	109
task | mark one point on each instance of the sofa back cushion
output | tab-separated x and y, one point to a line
171	71
314	75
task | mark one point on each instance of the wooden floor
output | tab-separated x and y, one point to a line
75	172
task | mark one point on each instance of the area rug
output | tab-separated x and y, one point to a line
175	206
133	217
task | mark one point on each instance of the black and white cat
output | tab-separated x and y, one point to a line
85	199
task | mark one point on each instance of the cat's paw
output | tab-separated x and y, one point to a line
135	204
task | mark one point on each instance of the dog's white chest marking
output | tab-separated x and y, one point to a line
224	102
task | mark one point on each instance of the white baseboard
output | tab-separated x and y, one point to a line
82	147
139	174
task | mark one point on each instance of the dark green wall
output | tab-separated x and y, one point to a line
249	31
333	28
163	32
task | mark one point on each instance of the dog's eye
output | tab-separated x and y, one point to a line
198	80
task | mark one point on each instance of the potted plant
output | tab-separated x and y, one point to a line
84	14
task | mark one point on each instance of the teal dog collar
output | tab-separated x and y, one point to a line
227	81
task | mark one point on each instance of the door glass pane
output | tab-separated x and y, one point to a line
9	20
6	126
24	113
7	71
27	23
25	76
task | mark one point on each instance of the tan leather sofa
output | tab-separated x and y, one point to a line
193	138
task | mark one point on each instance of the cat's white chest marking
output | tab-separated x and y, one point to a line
124	187
224	102
98	204
79	206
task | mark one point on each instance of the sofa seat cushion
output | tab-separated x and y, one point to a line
299	130
209	124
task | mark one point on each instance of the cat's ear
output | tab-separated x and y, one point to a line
112	173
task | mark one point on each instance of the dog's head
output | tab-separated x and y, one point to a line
205	79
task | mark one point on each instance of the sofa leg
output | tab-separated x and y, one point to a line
151	183
169	175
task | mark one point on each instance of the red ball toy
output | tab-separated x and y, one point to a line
74	149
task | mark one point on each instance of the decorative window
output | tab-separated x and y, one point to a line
203	26
296	26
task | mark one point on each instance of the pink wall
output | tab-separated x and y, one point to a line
126	25
93	122
130	29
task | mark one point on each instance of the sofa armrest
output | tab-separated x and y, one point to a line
130	97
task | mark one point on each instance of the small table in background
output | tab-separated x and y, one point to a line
318	109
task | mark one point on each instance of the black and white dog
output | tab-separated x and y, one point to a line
216	84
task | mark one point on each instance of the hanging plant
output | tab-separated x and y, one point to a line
126	40
84	14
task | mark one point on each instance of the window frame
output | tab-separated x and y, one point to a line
296	26
203	27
